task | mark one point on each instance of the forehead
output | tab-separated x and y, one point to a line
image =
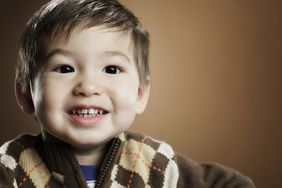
95	40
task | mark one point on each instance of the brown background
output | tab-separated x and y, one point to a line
216	70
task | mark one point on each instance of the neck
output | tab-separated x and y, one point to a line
91	156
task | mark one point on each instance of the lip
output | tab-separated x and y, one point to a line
86	121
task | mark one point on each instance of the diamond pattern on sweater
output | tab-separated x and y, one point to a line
143	165
34	168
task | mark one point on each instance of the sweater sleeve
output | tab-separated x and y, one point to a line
195	175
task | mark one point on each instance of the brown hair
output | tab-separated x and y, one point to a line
60	17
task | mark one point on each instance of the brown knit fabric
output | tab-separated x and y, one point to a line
133	160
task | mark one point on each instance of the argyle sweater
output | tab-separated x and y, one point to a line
132	161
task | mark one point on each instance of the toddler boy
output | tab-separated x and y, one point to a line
83	72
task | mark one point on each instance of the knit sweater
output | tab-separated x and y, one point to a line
132	161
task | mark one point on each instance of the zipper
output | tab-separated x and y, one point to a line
108	162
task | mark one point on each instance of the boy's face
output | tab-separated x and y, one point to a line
88	90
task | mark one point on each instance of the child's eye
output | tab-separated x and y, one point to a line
111	69
64	69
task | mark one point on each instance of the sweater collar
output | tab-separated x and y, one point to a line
60	159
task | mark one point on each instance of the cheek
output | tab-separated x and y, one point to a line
49	97
125	95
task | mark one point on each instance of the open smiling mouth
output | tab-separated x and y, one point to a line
88	112
87	116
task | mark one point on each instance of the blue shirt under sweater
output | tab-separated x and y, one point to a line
90	174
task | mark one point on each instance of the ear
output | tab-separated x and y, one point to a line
143	96
24	98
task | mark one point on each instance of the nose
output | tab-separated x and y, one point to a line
87	87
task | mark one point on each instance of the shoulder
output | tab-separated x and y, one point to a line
149	144
11	151
18	144
10	154
209	175
179	170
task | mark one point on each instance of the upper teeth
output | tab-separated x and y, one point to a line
90	111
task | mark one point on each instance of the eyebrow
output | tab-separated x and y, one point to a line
56	51
67	52
117	53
